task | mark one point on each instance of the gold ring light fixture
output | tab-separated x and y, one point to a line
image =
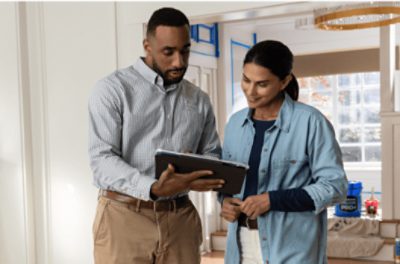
357	15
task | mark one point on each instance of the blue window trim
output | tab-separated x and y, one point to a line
243	45
213	40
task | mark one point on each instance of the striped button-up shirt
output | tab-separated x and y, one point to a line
132	114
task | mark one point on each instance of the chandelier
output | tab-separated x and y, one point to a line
357	15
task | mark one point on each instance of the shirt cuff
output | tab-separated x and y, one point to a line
319	202
143	188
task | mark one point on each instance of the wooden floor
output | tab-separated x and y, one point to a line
217	257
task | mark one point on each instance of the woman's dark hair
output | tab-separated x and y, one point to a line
277	57
166	16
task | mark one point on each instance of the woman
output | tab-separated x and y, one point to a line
296	169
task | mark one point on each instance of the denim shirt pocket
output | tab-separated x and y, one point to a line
285	171
226	154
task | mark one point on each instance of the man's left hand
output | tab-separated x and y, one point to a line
255	205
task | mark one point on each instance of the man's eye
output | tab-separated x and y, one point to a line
263	84
168	52
185	51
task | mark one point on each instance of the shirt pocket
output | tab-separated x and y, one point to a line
226	154
289	172
191	127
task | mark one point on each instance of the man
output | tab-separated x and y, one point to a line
133	112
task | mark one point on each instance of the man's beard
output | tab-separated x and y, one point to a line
169	81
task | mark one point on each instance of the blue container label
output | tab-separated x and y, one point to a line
349	205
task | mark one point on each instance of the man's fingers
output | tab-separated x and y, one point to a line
206	184
197	174
200	189
167	172
170	168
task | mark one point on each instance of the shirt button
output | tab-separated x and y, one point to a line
263	171
264	238
265	150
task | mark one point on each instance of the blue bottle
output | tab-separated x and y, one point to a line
351	207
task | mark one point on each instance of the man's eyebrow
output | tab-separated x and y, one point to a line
172	48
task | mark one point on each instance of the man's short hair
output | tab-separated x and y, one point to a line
166	16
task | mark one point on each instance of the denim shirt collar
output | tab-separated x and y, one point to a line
284	117
151	76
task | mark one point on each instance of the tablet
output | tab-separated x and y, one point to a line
233	173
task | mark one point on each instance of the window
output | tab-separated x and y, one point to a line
352	103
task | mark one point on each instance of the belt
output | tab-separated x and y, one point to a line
244	221
163	205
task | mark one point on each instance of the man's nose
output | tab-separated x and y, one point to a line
178	61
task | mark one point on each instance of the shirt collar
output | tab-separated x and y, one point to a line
150	75
284	116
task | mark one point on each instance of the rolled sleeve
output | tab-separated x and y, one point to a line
330	181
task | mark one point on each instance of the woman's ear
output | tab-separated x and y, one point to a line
286	81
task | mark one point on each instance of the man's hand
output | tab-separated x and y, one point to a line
230	209
255	205
203	185
171	183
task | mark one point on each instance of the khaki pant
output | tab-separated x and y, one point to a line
127	235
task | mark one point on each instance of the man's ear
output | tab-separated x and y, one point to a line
146	46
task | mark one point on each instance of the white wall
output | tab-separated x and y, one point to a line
12	214
69	47
80	49
132	16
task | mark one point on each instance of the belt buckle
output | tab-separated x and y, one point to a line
247	222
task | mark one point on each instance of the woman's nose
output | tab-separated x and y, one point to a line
252	89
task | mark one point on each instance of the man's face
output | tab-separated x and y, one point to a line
167	52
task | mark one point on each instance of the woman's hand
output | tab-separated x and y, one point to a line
255	205
230	209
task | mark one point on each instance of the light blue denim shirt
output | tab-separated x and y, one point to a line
300	150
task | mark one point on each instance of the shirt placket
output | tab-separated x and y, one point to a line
168	111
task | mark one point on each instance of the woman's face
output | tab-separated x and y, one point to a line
260	86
